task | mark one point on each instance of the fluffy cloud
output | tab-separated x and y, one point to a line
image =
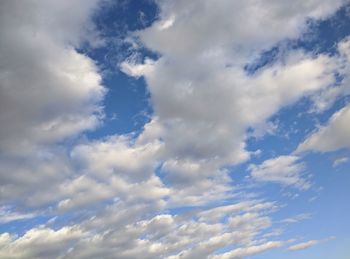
190	77
214	132
333	135
49	91
118	155
121	167
326	97
182	31
46	168
285	170
127	190
40	243
131	231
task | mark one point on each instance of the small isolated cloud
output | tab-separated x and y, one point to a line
304	245
297	218
308	244
285	170
340	161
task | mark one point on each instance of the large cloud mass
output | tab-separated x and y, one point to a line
199	85
166	192
48	90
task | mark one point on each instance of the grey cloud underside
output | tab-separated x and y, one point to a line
48	90
204	102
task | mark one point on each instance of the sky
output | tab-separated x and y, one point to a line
215	129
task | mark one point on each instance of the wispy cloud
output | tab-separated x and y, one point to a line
308	244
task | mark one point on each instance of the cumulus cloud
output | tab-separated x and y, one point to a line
333	135
49	91
129	188
123	167
265	23
131	231
40	243
186	82
325	98
118	155
47	168
187	107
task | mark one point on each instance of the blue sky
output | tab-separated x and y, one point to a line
175	129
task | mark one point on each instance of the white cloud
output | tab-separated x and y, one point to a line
303	245
332	136
250	250
118	155
7	215
131	230
308	244
87	192
265	23
192	74
218	213
44	168
340	161
325	98
213	133
204	101
49	91
41	243
297	218
285	170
